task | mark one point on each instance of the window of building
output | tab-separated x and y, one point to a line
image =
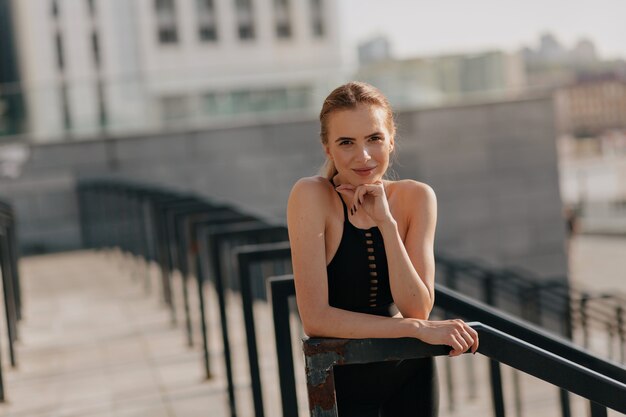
269	100
245	19
317	18
175	107
102	110
91	6
282	18
58	41
207	28
65	107
95	48
54	8
166	21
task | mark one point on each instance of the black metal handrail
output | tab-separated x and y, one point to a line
570	305
323	354
460	305
552	368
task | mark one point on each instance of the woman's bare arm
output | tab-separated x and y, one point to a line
411	263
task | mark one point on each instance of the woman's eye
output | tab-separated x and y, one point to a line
376	138
345	142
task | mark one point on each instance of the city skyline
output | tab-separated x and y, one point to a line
409	25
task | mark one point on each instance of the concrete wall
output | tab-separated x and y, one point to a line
493	167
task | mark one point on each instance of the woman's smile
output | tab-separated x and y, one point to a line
364	172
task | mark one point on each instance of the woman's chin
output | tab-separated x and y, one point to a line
356	180
364	181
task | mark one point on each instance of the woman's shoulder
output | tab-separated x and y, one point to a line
413	199
411	190
309	201
311	188
313	184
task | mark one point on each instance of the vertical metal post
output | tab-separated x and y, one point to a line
253	359
583	319
281	289
13	256
451	280
214	250
200	273
619	312
9	302
565	404
597	410
497	395
1	379
187	257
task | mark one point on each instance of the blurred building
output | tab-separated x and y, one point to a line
375	49
591	106
11	103
551	65
439	79
115	66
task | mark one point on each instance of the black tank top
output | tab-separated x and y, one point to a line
358	278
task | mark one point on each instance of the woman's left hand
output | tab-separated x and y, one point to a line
369	197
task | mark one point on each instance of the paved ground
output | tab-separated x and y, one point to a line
93	344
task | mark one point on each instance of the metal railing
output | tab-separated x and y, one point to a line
10	283
224	249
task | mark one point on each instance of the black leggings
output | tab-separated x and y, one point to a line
388	389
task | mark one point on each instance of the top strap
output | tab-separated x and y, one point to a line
345	208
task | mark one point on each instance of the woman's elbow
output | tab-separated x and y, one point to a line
312	323
313	328
417	312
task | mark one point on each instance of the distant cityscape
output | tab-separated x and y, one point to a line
121	68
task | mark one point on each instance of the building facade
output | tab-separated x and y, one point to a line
12	120
592	106
93	67
442	79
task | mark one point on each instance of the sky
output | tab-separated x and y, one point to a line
421	27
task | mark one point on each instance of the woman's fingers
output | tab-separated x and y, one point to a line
474	333
347	190
343	187
375	190
463	338
358	198
457	345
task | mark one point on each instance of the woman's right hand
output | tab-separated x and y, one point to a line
454	333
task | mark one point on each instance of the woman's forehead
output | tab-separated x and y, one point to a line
361	121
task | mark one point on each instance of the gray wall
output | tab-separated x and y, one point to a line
493	167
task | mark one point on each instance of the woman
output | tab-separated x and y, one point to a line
362	253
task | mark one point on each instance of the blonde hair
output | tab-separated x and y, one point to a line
349	96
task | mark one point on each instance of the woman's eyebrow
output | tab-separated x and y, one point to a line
349	138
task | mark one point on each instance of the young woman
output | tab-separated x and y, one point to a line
362	252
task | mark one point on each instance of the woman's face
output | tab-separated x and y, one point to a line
359	144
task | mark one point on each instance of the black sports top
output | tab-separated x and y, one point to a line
358	278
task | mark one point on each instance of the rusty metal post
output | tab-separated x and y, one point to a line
320	380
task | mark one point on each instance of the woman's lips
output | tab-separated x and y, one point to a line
364	172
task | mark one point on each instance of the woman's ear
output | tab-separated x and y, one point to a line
327	152
391	144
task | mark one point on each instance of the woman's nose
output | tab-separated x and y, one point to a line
364	153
